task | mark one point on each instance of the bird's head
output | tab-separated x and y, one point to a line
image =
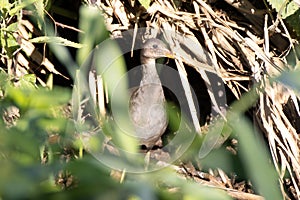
155	48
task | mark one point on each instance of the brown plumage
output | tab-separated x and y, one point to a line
147	103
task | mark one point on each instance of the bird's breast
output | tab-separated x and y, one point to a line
148	112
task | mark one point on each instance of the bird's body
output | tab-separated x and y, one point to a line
147	103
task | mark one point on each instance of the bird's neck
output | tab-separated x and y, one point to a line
150	75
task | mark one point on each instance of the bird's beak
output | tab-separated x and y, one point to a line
169	54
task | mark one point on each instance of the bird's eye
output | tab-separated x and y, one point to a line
154	46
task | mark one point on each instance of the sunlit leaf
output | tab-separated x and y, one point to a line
94	31
7	40
291	79
49	82
111	65
145	3
285	8
20	6
28	81
56	40
39	5
30	97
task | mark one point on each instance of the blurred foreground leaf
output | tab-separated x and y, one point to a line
22	174
56	40
92	23
291	79
254	154
285	8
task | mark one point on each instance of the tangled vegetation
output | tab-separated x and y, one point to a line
49	111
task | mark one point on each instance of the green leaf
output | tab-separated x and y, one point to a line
56	40
7	40
256	159
4	79
28	81
111	65
48	4
5	6
145	3
294	21
64	56
29	97
39	9
291	79
253	152
91	22
39	5
49	82
12	27
20	6
284	9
